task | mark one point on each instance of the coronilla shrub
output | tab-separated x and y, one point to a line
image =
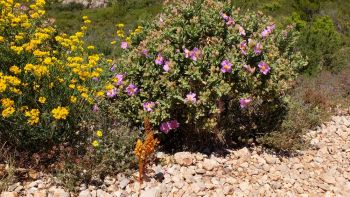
202	60
48	81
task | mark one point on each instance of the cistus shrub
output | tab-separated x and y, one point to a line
48	81
201	62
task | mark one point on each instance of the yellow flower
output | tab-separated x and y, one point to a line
84	95
100	93
2	86
42	100
7	112
99	133
47	61
71	86
33	116
120	25
2	39
90	47
113	42
60	113
15	70
73	99
95	143
6	102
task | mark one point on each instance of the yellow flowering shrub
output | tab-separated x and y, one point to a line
48	80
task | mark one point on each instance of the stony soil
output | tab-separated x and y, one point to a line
322	170
88	3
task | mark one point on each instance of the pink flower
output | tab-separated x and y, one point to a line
244	48
268	30
159	60
230	21
119	78
124	45
224	16
244	102
111	93
241	30
264	67
258	48
95	108
174	124
187	53
148	106
226	66
166	66
249	69
145	53
165	127
132	90
191	98
112	68
227	19
195	53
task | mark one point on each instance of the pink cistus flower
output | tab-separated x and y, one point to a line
195	53
258	48
23	7
241	30
119	78
124	45
264	67
268	30
249	69
226	66
111	93
244	48
230	21
165	127
224	16
148	106
159	60
187	53
95	108
112	69
166	66
244	102
191	98
132	90
145	52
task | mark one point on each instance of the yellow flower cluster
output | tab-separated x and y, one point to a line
33	116
60	113
39	77
121	33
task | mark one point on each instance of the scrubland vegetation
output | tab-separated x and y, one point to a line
79	87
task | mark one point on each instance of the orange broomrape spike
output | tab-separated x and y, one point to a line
144	150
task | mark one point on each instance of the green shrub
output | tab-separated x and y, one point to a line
191	67
320	41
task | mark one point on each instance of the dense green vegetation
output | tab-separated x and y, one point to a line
324	26
131	13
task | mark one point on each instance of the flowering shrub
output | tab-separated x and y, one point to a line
199	62
48	81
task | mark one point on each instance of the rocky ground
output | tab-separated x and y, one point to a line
322	170
88	3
